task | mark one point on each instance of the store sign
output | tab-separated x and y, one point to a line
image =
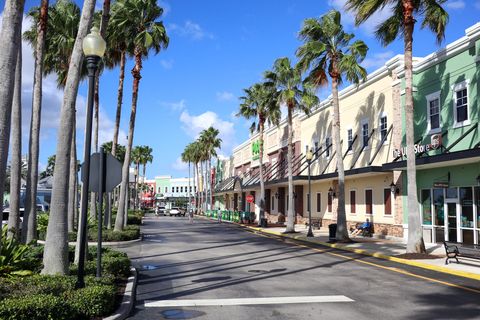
440	184
250	198
256	150
435	143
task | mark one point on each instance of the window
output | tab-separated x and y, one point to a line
190	189
368	202
319	202
387	201
159	190
438	207
365	134
181	189
460	104
327	147
426	207
466	202
353	201
383	127
273	202
177	189
433	112
316	146
329	203
166	189
350	139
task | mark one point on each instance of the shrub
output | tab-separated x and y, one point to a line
37	306
131	232
93	301
112	265
13	255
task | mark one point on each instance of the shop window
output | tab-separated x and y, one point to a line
329	203
350	139
433	112
387	201
460	104
466	202
383	127
451	193
368	201
477	204
319	202
438	207
353	201
426	207
365	134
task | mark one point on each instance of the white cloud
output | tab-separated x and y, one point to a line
193	125
174	106
369	26
225	96
377	60
457	4
190	29
166	64
179	165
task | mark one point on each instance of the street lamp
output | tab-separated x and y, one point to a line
309	157
93	49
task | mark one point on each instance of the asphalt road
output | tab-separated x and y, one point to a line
207	270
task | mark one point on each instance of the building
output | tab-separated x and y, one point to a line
373	140
173	191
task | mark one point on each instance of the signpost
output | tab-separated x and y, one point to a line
250	198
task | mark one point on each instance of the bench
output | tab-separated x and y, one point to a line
316	223
456	250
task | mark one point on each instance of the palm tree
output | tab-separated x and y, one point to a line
30	216
136	160
16	149
328	52
9	40
139	20
260	102
288	83
120	155
187	156
146	157
55	257
209	138
401	23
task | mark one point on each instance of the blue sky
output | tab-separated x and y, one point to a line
216	49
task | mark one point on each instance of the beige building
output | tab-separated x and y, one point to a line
368	136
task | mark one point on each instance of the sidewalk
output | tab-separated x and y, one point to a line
382	248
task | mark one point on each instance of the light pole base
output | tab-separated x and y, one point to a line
310	232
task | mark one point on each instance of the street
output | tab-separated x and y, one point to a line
207	270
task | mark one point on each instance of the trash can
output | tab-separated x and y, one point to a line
263	223
332	230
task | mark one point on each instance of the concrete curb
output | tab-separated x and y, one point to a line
104	244
128	300
380	255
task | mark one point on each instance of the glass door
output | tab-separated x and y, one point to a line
452	221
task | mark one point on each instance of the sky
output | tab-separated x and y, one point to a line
217	48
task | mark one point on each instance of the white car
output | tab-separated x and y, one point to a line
175	211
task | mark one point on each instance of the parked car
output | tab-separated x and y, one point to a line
175	211
160	210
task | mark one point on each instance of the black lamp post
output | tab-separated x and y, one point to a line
309	157
93	48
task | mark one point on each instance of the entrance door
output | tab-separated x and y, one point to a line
452	221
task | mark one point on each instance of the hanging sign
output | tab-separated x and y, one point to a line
440	184
256	150
435	143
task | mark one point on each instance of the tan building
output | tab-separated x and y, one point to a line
369	136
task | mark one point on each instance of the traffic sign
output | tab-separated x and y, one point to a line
112	172
250	198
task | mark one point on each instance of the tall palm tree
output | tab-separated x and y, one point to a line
146	157
16	150
209	138
328	51
136	160
9	40
401	23
119	150
139	20
55	257
30	215
187	156
196	156
260	102
288	83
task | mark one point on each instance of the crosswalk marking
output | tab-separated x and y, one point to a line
244	301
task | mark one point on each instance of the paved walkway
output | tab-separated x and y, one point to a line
385	249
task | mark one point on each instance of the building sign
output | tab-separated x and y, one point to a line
435	143
441	184
256	150
250	198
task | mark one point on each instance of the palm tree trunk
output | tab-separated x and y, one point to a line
197	200
55	257
72	181
291	212
118	115
210	182
119	221
342	232
262	183
10	40
16	161
188	186
30	216
415	240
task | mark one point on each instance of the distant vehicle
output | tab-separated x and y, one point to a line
160	210
175	211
